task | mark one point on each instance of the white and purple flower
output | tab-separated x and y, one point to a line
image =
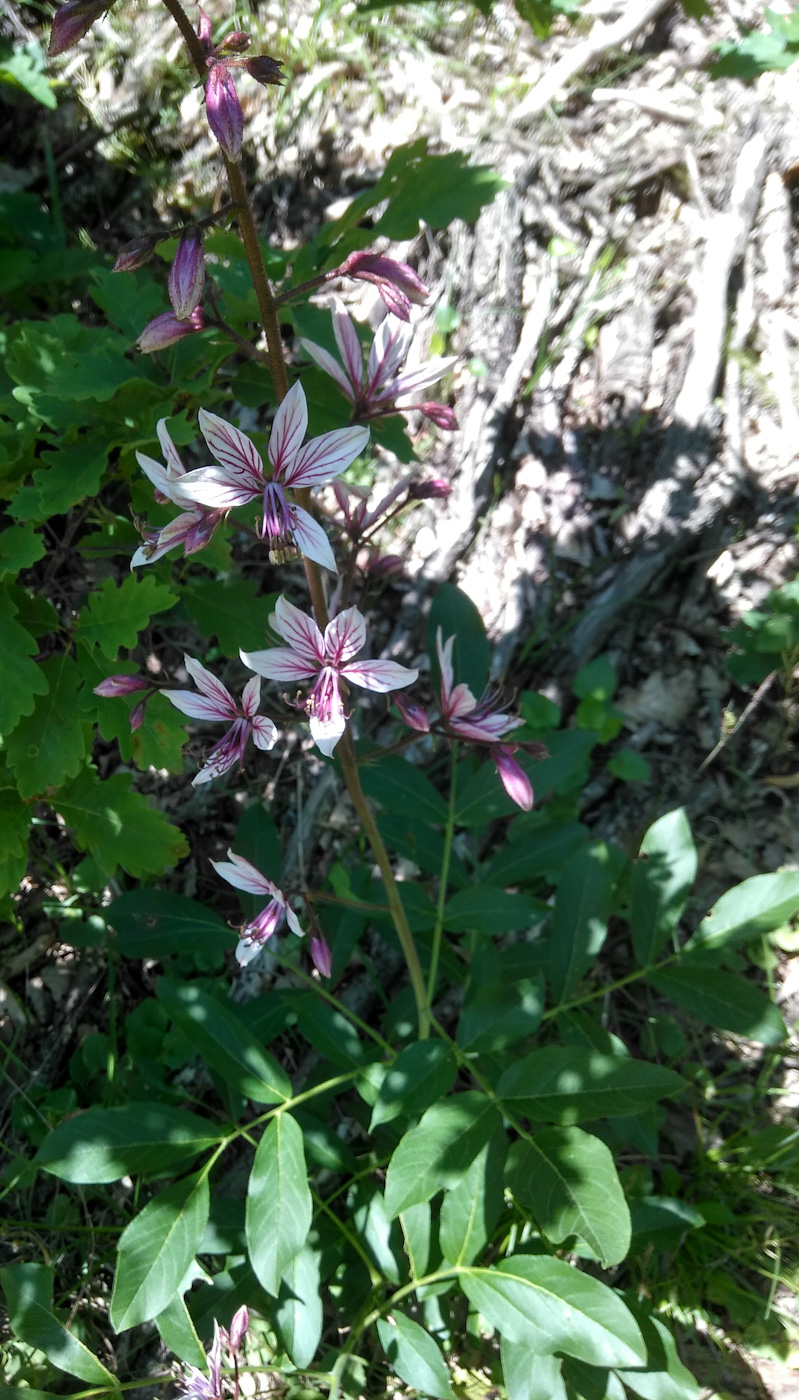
240	476
215	702
329	659
380	389
244	876
195	525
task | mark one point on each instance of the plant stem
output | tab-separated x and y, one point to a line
442	885
246	221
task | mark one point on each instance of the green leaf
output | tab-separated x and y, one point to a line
49	745
665	1377
155	1251
490	910
568	1180
379	1236
414	1354
439	189
580	917
455	614
401	788
118	826
215	1031
554	1307
115	616
20	547
232	612
279	1207
415	1223
470	1210
103	1144
756	906
597	680
722	999
179	1334
421	1075
661	1222
72	471
331	1033
63	358
158	923
29	1294
439	1150
567	1084
22	679
298	1313
538	851
529	1375
497	1014
662	878
630	766
24	68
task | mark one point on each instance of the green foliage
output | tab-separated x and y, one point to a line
758	52
767	638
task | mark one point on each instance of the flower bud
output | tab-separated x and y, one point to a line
187	274
137	715
167	330
385	566
238	1328
205	30
136	253
514	779
321	955
265	70
440	414
236	42
397	282
72	21
114	686
225	116
434	490
413	714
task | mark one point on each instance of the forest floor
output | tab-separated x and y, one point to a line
626	319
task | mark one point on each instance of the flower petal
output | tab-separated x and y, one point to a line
197	706
288	429
264	733
244	876
207	682
233	451
444	653
300	631
326	456
247	950
312	540
326	362
251	697
327	732
348	343
514	779
279	664
344	636
174	466
381	676
213	487
218	765
156	472
416	379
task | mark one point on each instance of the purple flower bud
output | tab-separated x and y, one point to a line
385	566
167	330
413	714
137	715
72	21
514	779
204	30
225	116
136	253
187	274
236	42
265	70
440	414
238	1327
320	953
434	490
114	686
397	283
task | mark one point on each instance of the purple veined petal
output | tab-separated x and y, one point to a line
197	706
174	465
389	348
223	108
326	362
444	653
381	676
413	714
326	456
345	636
514	779
348	343
243	876
213	487
247	950
288	430
293	922
207	682
300	631
233	451
264	733
326	731
221	762
173	534
279	664
394	300
156	473
461	702
320	954
311	539
251	697
420	378
480	731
